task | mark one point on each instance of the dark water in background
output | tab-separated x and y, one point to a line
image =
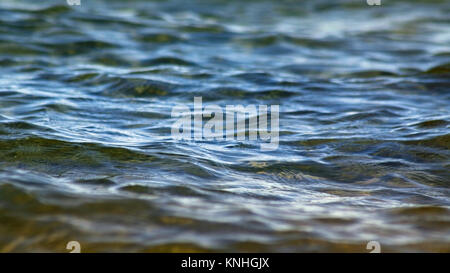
86	154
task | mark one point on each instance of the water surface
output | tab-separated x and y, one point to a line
85	114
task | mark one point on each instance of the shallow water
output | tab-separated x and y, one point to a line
85	114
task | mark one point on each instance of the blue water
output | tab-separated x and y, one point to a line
86	152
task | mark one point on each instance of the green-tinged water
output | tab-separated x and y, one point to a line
86	152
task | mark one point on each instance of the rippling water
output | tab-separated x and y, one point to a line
85	114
